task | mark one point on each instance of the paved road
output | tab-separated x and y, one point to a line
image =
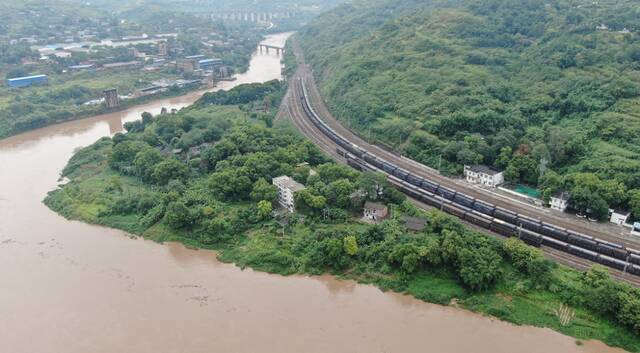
291	108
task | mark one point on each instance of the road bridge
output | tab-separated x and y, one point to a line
250	16
267	47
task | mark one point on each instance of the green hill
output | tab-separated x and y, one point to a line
539	88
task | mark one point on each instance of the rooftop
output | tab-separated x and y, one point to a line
374	206
621	212
478	168
26	78
288	183
562	195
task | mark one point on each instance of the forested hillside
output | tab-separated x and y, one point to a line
548	90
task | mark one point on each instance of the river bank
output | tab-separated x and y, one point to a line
74	287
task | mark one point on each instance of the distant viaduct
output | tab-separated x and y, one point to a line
249	16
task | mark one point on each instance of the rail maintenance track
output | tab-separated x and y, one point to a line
494	218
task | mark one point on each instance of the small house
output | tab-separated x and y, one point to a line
481	174
559	201
619	217
375	211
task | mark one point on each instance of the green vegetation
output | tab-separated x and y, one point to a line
532	87
202	176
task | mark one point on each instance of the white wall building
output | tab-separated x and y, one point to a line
560	201
619	217
481	174
287	187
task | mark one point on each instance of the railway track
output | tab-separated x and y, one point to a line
298	116
428	173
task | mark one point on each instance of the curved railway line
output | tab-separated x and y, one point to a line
575	252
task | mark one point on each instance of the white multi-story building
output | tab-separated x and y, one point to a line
619	217
481	174
287	187
560	201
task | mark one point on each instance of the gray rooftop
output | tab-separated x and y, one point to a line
288	183
483	169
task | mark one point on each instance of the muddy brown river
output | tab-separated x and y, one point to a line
71	287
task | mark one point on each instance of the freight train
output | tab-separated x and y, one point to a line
483	214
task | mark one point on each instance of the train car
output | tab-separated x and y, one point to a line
430	186
529	223
583	253
446	192
355	164
478	219
530	237
388	167
582	241
463	199
633	269
415	180
503	228
401	173
554	232
358	151
611	262
554	243
483	207
634	258
431	199
411	190
372	160
454	209
505	215
609	250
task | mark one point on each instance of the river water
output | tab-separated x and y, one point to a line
70	287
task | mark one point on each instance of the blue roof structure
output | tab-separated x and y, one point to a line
27	81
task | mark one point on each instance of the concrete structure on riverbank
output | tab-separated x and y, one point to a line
111	99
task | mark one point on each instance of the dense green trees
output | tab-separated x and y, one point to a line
206	204
527	87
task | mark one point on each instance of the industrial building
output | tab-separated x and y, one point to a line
20	82
209	64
